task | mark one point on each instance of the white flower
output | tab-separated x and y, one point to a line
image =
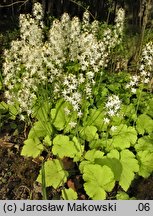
127	85
146	65
113	128
133	90
106	120
22	118
80	114
90	75
113	105
76	107
67	111
111	112
146	80
31	62
72	124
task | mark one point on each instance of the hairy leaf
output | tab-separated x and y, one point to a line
144	124
32	148
42	112
129	166
93	154
55	175
95	118
145	143
47	141
98	180
113	163
40	130
63	147
69	194
123	136
89	133
145	159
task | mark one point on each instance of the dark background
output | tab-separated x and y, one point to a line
103	10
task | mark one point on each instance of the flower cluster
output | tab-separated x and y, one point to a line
113	105
114	36
23	66
145	69
146	66
66	64
134	81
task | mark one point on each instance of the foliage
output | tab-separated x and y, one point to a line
98	179
102	121
55	175
69	194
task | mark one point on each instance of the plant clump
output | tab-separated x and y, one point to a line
102	122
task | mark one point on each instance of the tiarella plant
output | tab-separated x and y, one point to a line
103	122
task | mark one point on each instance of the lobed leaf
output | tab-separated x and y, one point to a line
89	133
95	118
123	136
113	163
42	112
32	148
93	154
55	175
98	180
40	130
145	143
144	124
129	166
145	159
69	194
60	118
63	147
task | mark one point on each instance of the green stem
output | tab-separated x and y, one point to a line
44	182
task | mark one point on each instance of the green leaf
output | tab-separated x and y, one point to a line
55	175
145	143
122	196
150	108
129	111
4	106
89	133
13	109
47	141
60	118
123	136
69	194
113	163
145	159
107	144
58	115
114	154
83	164
32	148
93	154
144	124
95	144
1	85
98	181
90	156
79	150
40	130
63	147
129	166
42	112
95	118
